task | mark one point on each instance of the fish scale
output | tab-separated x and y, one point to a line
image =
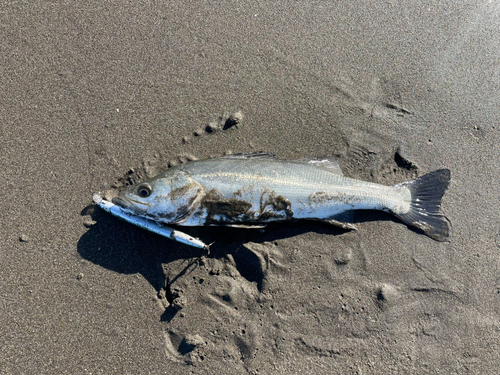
305	181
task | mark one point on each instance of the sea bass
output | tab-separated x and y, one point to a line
250	190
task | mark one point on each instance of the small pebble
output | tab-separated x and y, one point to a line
237	116
212	127
150	171
88	222
24	238
178	303
186	140
387	295
194	340
79	276
233	120
198	132
343	258
109	195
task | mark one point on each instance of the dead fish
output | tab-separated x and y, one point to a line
250	190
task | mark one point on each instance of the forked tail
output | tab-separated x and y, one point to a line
425	209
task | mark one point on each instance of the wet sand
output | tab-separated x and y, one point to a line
94	97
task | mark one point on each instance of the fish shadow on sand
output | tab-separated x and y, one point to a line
126	249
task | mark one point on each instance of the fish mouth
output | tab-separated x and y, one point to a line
137	208
119	201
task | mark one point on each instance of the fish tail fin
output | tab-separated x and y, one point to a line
425	207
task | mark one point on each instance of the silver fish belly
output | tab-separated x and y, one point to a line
254	189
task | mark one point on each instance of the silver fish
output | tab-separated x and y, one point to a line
250	190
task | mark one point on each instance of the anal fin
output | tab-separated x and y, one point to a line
245	226
341	224
342	220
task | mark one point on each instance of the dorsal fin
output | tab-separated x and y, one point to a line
252	155
328	163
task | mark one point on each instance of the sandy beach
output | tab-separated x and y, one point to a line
96	96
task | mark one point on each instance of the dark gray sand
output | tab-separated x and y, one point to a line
95	96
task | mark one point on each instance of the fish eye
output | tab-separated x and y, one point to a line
144	190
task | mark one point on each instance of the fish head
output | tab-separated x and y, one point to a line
166	198
144	197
